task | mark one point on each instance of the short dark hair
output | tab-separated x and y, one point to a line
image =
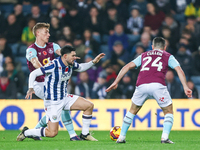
67	49
159	42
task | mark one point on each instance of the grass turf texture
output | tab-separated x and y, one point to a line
140	140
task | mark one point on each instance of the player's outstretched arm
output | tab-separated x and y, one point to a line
182	78
98	58
122	72
85	66
32	77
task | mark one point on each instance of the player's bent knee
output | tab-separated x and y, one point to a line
91	105
53	133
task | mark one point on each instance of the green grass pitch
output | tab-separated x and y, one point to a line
137	140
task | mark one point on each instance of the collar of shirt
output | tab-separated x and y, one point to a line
61	63
40	46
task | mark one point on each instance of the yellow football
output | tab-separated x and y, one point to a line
115	132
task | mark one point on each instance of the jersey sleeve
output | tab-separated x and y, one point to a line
55	47
30	53
49	68
75	65
172	62
137	61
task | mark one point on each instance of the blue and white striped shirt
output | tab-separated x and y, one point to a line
56	79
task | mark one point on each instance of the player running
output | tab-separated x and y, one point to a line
39	54
57	75
151	83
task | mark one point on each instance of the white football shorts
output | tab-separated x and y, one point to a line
54	108
39	89
156	91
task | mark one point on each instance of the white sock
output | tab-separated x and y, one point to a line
122	137
167	126
165	136
86	123
73	135
35	132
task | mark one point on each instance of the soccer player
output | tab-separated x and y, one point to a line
39	54
57	74
151	83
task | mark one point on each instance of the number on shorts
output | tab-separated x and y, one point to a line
71	95
155	63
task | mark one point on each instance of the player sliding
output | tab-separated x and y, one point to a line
57	75
151	83
39	54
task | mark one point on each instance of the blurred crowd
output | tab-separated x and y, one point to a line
122	29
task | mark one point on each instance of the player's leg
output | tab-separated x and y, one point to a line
128	119
66	118
50	131
67	121
38	88
138	99
41	123
168	123
53	114
164	100
79	103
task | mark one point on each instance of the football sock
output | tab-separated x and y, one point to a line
66	119
35	132
41	123
167	125
126	123
86	123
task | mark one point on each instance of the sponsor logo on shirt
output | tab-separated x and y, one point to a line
66	76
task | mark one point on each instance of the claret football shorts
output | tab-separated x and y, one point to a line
156	91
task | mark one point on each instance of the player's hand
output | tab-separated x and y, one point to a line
188	92
77	58
98	58
29	93
112	86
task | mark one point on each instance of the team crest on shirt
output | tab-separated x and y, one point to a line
50	50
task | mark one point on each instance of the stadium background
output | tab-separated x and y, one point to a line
182	34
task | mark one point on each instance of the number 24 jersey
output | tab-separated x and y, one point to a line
154	65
